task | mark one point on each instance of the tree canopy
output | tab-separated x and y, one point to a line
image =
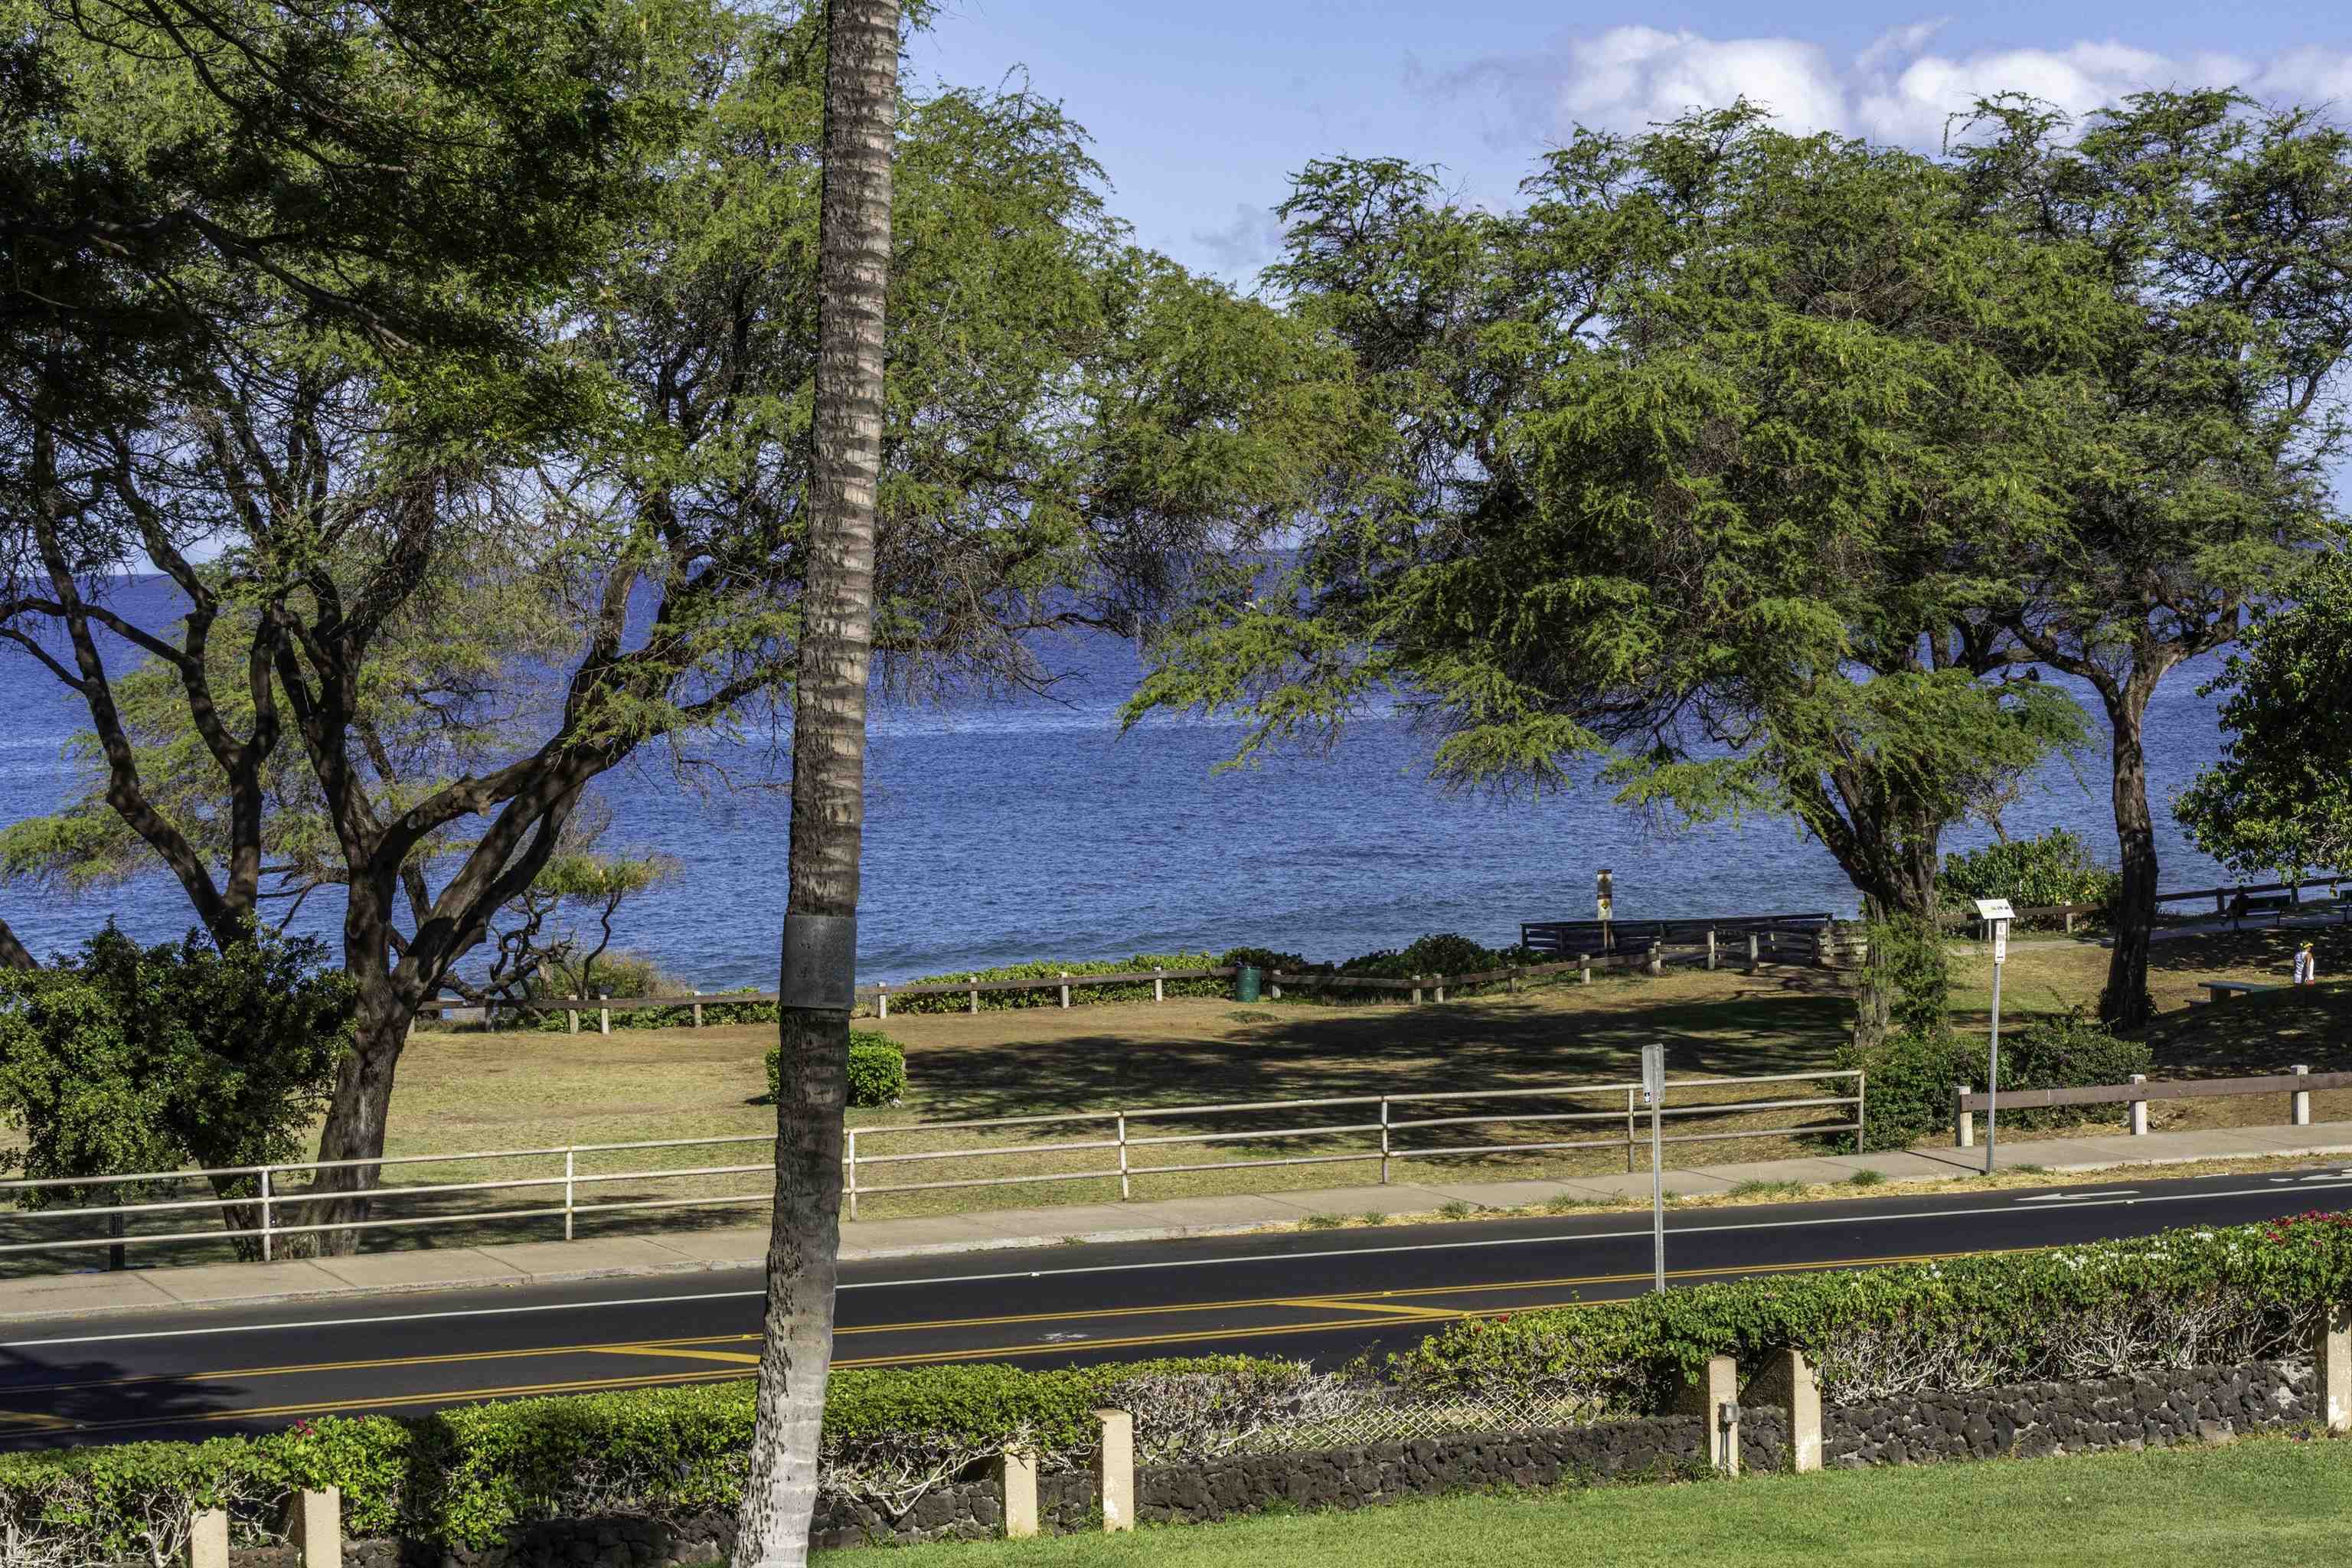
434	595
1683	472
2281	797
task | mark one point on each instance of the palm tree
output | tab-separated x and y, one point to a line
861	96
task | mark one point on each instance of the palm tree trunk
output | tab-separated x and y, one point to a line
828	782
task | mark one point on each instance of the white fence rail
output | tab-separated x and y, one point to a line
1385	1136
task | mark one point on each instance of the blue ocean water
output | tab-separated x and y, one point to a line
1003	830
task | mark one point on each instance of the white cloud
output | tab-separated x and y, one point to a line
1897	89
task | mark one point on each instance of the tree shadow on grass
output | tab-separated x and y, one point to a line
1305	1052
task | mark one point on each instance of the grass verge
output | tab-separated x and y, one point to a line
2274	1500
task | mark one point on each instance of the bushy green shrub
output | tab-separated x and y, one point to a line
1268	960
1912	1074
2056	867
2183	1297
877	1069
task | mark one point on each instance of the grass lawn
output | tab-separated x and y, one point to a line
2273	1501
466	1090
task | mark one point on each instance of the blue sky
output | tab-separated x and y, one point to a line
1200	110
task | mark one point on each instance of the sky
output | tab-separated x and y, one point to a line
1201	109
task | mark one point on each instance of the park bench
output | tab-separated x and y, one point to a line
2223	989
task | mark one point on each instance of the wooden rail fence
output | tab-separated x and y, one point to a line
2297	1084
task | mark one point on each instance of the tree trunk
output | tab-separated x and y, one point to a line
12	952
356	1116
2125	1004
1874	982
828	782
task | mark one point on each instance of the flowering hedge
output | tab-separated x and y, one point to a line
2183	1297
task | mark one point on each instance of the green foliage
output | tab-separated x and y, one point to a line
2248	1292
2280	799
1445	953
124	1059
877	1069
1682	474
2055	868
1908	951
1913	1073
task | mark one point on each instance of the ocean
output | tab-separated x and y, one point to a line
1031	828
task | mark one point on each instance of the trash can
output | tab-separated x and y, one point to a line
1247	980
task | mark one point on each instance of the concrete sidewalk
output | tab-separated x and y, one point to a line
542	1262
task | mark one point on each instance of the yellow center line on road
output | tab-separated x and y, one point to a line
1384	1303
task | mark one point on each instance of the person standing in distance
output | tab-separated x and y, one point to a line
2307	965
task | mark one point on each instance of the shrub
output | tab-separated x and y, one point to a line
2056	867
2183	1297
877	1069
124	1059
1909	1087
1913	1073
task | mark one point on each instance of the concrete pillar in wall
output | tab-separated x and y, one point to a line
208	1538
1715	1390
1788	1380
1115	1470
316	1527
2332	1359
1016	1477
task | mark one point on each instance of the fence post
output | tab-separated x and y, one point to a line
1629	1128
208	1538
570	1158
572	1015
2333	1356
1752	964
1125	1190
1417	988
1384	1140
2135	1113
1115	1470
1158	983
2298	1103
697	1009
1274	984
2070	921
1584	969
1440	986
265	1215
1715	1397
1016	1479
1065	988
1964	1121
881	998
852	1179
1657	958
975	996
1861	1108
603	1015
317	1527
1787	1380
1710	947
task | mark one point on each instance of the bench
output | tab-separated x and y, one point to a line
2222	989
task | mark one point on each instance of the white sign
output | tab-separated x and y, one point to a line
1653	1072
1995	910
1604	907
2001	941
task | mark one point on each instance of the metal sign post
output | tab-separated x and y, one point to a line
1996	915
1654	1090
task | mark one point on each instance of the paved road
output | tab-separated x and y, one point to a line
1325	1295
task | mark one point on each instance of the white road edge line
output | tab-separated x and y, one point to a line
2008	1208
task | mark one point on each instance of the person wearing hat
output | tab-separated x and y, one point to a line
2307	965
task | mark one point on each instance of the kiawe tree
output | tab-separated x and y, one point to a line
432	593
1685	471
2280	799
2208	408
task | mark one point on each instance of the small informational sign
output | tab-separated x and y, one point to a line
1995	910
1654	1073
1603	905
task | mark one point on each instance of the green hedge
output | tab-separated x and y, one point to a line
2057	867
1049	969
2182	1298
877	1069
1912	1074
